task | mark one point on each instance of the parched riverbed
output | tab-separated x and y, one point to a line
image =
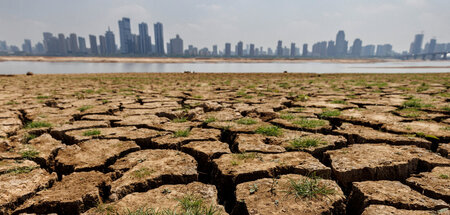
199	143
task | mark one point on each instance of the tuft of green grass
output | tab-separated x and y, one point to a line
308	188
180	120
269	131
329	113
304	142
210	119
21	170
443	176
38	124
446	108
246	121
12	103
142	172
29	137
429	136
415	103
287	116
339	102
422	87
191	204
310	123
182	133
93	132
42	97
29	154
85	108
105	101
246	155
302	98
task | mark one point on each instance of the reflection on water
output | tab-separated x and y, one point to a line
11	67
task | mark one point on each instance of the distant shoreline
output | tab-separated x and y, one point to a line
182	60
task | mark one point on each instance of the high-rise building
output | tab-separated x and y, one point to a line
368	51
62	44
93	43
240	49
251	52
73	42
319	49
416	46
110	42
145	44
159	38
341	44
331	49
102	40
176	46
432	46
280	48
227	49
214	52
26	47
125	35
305	50
292	50
47	36
38	48
3	46
384	50
82	44
356	48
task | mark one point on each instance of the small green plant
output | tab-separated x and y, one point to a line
446	108
287	116
304	142
182	133
93	132
422	87
180	120
429	136
443	176
197	97
12	103
21	170
269	131
329	113
241	93
415	103
38	124
29	154
302	98
310	123
105	101
234	163
28	137
246	121
142	172
246	155
339	102
253	188
308	188
85	108
210	119
42	97
191	204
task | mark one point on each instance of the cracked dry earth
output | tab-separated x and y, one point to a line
225	144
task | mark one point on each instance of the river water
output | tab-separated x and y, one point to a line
20	67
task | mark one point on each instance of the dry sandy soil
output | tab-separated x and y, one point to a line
225	144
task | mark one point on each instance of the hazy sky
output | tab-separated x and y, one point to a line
207	22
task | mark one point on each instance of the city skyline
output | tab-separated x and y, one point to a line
205	23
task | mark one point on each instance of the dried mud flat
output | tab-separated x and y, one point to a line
225	144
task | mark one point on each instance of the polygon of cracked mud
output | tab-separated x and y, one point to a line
142	136
367	117
319	103
304	124
145	121
362	134
277	196
22	182
166	198
73	194
435	184
288	141
92	154
443	149
234	126
223	115
46	148
380	161
389	210
172	141
147	169
391	193
59	132
424	128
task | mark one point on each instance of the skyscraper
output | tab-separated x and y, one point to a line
47	36
125	35
341	44
26	47
93	42
240	49
159	39
73	42
432	47
62	44
82	44
145	44
251	53
280	48
305	50
292	50
416	46
102	40
331	49
368	51
356	48
110	42
176	46
227	49
214	52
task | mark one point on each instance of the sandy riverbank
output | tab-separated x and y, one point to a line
179	60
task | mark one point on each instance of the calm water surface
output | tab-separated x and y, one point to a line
13	67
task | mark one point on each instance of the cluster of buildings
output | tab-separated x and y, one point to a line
141	45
